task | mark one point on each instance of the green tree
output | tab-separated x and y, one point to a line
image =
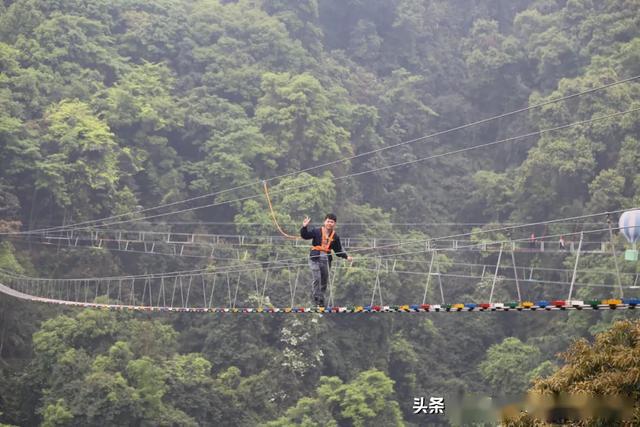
190	387
104	367
627	164
551	52
492	62
235	44
21	17
301	19
153	31
231	150
508	366
142	112
555	170
606	367
299	118
55	415
494	193
79	167
606	192
367	399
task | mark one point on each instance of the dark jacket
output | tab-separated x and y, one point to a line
316	235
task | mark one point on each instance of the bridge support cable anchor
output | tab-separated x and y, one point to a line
575	267
376	284
144	289
182	303
151	292
133	291
228	289
161	291
495	274
331	282
235	295
149	282
266	281
439	280
204	292
295	287
289	282
186	304
615	257
515	274
173	293
426	287
213	288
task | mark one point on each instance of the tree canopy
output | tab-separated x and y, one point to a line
109	108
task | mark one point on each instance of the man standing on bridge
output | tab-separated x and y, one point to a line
324	241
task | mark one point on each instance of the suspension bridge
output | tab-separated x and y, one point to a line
280	286
230	284
181	244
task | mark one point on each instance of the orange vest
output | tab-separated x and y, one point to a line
326	242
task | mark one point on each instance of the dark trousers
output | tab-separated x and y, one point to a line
320	273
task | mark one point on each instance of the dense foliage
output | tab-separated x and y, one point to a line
606	368
107	106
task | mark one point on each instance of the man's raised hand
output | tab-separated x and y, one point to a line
306	221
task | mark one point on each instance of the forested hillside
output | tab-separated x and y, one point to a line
111	107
